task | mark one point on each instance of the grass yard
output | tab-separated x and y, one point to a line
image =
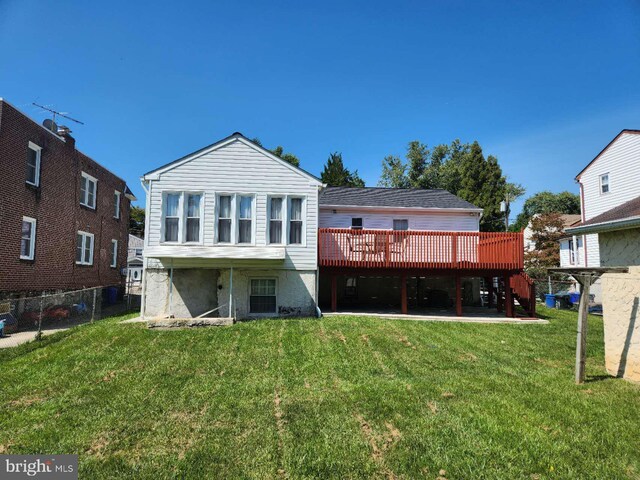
337	397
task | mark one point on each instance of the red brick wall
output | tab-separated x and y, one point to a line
56	207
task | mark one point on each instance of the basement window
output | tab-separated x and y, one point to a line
262	298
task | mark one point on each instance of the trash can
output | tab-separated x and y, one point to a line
112	295
550	300
574	297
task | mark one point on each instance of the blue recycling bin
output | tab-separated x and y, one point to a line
1	328
574	297
112	295
550	300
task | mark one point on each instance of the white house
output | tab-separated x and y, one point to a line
609	193
231	231
135	261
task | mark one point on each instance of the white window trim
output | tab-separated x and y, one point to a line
114	253
117	194
95	191
185	206
285	220
32	244
232	239
38	151
264	314
303	212
86	235
182	217
608	183
237	219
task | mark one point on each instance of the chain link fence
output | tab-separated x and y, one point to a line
27	318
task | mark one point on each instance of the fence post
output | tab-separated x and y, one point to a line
39	334
93	307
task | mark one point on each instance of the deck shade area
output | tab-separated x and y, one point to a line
340	247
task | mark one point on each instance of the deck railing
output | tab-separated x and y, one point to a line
343	247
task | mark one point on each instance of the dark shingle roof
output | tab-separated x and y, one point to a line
626	211
391	197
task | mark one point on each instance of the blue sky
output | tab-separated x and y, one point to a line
544	86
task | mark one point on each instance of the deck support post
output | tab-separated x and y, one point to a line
403	293
509	307
334	293
581	343
489	284
458	295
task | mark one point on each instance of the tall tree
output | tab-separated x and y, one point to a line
136	221
417	158
394	173
545	202
512	192
279	152
336	174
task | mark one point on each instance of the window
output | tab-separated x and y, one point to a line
604	183
28	238
33	164
351	287
262	298
401	224
88	190
574	247
295	221
114	253
244	219
116	204
275	219
356	223
193	217
84	248
224	219
138	252
171	217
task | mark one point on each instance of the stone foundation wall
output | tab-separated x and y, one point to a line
194	292
295	291
620	248
621	298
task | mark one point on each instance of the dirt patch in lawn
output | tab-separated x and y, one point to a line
380	443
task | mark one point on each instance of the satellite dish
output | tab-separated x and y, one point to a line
50	125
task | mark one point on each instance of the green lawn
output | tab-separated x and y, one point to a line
337	397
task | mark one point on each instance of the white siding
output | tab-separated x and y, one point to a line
381	220
239	168
622	162
593	250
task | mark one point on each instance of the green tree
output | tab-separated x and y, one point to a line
136	221
418	159
336	174
512	192
394	173
545	202
279	152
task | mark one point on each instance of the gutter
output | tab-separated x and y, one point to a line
401	209
627	223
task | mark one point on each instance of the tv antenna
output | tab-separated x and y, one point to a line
60	114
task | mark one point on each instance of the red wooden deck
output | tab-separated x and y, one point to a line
340	247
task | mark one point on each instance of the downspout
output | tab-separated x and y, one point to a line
584	216
146	244
231	291
171	290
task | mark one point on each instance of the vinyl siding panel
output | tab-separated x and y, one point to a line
381	220
240	169
622	162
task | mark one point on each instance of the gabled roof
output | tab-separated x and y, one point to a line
393	198
623	216
569	220
626	130
221	143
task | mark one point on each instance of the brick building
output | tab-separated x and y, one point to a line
63	217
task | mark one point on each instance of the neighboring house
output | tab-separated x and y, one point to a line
135	260
234	231
64	217
231	231
571	247
567	221
610	192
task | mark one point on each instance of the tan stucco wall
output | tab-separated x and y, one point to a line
621	299
620	248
